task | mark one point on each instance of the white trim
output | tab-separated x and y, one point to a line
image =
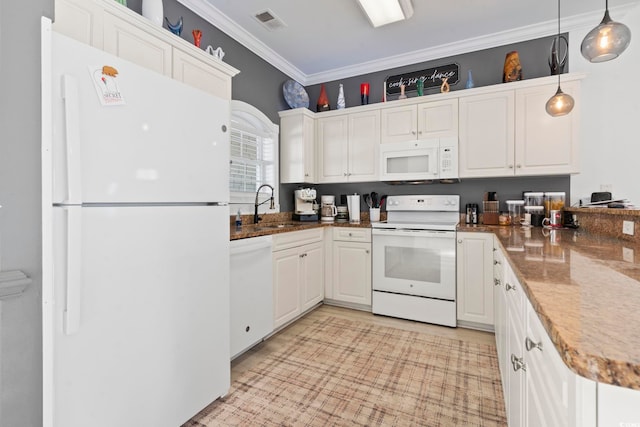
211	14
47	221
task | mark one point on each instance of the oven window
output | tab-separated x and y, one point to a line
408	164
416	264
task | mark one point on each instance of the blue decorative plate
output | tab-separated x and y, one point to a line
295	95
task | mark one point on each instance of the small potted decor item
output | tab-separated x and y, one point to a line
364	93
323	100
197	36
512	68
175	28
341	103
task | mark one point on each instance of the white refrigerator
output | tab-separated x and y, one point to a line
136	296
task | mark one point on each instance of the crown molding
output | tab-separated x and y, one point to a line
543	29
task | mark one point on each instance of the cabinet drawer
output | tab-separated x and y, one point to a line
296	238
352	234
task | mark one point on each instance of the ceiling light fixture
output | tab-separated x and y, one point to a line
561	103
606	41
383	12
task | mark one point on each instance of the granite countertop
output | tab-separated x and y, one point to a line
585	289
281	223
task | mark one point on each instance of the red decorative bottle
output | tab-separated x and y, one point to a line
323	100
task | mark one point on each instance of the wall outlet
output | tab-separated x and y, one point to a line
627	254
627	227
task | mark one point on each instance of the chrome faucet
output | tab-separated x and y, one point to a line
256	218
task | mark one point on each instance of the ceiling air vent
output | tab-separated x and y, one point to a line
270	20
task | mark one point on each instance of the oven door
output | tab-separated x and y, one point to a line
415	262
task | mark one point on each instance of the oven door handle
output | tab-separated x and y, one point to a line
412	232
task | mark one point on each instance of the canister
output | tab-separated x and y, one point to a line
533	198
553	201
516	211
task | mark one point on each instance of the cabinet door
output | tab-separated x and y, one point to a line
79	19
398	124
487	135
286	285
201	75
364	141
127	41
332	139
474	264
516	376
545	145
352	272
312	271
438	119
297	146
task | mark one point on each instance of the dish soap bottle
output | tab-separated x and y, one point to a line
238	221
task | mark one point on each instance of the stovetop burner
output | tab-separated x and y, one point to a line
422	212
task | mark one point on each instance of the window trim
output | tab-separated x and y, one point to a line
243	112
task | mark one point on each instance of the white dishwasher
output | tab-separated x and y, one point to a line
251	292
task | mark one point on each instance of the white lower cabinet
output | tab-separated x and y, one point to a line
474	264
352	265
298	274
540	390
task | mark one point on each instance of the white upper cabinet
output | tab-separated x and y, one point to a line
545	144
509	133
80	20
297	146
347	147
486	145
129	42
107	25
419	121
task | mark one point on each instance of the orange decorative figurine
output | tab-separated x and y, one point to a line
197	36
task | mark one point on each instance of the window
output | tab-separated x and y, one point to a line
254	158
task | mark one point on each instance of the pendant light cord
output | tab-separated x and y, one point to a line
559	40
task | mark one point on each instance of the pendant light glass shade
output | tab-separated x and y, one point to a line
606	41
561	103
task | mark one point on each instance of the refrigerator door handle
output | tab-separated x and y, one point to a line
74	269
72	142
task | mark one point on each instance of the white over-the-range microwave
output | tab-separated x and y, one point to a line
420	160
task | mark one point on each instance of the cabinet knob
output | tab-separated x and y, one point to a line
366	251
518	166
496	262
509	287
247	329
306	174
459	240
496	282
413	132
303	255
531	344
350	234
510	166
345	174
518	363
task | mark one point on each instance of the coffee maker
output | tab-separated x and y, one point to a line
305	207
328	210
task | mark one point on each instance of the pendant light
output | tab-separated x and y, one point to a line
561	103
606	41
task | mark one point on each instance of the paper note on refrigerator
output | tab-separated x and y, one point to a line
105	81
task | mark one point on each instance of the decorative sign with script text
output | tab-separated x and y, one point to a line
432	78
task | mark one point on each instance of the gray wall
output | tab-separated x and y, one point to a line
470	190
20	215
260	84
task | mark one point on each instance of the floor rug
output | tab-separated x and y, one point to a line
341	372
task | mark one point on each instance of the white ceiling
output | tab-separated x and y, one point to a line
327	40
